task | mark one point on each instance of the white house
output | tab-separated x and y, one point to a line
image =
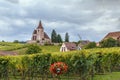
68	46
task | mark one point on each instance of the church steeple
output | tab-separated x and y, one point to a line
40	25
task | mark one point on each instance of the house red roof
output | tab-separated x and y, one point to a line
70	45
114	35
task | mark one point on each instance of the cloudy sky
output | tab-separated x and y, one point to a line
91	19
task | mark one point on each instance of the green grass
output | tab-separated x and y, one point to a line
45	49
50	49
9	46
21	48
110	76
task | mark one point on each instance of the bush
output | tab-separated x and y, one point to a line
33	48
110	42
90	45
84	63
15	41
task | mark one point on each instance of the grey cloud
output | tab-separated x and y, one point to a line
73	16
13	1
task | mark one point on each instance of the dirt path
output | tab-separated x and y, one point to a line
4	53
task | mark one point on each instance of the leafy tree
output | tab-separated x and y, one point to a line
118	43
3	41
15	41
59	39
33	48
110	42
66	37
54	36
91	45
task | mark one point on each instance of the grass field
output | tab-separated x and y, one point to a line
109	76
21	48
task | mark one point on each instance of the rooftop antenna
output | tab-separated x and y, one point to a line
79	37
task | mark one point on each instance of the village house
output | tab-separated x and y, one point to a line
40	36
68	46
114	35
83	43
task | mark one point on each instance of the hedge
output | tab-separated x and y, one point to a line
84	63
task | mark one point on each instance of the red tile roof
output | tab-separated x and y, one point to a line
113	34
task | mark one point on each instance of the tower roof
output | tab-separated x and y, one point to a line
40	25
46	36
34	32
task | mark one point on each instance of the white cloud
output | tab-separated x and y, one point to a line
18	22
4	26
104	23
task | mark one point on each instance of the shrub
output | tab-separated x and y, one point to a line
4	67
33	48
15	41
91	45
110	42
84	63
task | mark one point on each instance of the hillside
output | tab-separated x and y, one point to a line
96	61
21	48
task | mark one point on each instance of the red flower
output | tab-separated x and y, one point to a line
58	68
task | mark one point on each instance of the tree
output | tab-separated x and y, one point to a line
54	36
3	41
110	42
59	39
91	45
66	37
33	48
118	43
15	41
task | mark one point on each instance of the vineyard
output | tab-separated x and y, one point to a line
21	48
82	65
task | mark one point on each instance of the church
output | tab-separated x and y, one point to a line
39	36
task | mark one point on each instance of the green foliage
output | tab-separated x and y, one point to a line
3	41
59	39
66	37
83	63
4	67
9	46
33	48
90	45
54	36
15	41
110	42
50	49
109	76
